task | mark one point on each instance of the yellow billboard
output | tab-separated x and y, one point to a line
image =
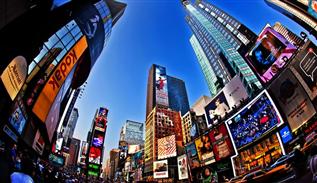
46	98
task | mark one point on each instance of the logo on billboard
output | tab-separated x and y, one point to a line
51	89
161	86
14	75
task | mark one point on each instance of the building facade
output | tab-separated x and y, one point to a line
199	106
132	133
68	131
114	161
302	12
165	91
58	61
73	152
224	41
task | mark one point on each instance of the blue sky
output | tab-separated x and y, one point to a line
153	31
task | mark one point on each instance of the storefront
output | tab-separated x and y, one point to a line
258	156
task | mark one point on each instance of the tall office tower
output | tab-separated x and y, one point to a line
177	95
161	122
132	133
301	11
224	42
68	131
187	125
73	152
114	162
54	45
288	35
165	91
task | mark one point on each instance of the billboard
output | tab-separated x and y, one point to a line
221	142
17	119
161	86
98	139
182	167
312	8
48	95
217	109
304	68
166	147
101	119
91	25
192	156
286	134
160	169
133	149
204	150
268	55
94	155
38	143
14	75
57	160
292	99
235	92
256	119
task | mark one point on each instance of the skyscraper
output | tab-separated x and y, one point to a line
132	132
165	91
224	42
68	131
302	12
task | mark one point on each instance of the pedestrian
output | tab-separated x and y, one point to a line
210	176
313	162
27	171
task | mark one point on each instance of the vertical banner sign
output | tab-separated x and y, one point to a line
14	75
182	167
292	99
161	86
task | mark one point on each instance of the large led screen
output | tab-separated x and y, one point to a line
101	119
204	150
57	160
221	142
161	86
94	155
312	8
267	56
98	139
254	120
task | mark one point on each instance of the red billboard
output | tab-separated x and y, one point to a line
221	142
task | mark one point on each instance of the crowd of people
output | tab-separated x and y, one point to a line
19	166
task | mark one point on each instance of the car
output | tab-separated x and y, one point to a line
256	176
310	140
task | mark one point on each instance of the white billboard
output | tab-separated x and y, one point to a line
160	169
182	167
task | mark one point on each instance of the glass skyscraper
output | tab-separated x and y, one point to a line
220	43
177	95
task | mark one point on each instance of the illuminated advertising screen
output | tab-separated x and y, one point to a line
93	169
51	89
57	160
254	120
101	119
286	134
312	8
305	68
182	167
98	139
267	56
84	148
221	142
292	99
133	149
94	155
192	156
17	119
217	109
161	86
160	169
204	150
166	147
